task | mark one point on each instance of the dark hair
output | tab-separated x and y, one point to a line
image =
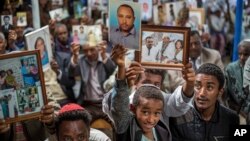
39	38
10	70
211	69
180	42
149	92
194	32
128	6
155	72
148	37
72	116
6	16
245	44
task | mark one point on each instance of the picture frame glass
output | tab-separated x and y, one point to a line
22	92
164	47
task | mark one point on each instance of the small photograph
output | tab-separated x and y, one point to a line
79	34
196	18
28	100
159	14
22	92
164	46
10	75
171	13
21	18
59	14
6	23
40	39
94	34
8	107
87	34
99	4
57	2
147	9
29	71
125	23
78	9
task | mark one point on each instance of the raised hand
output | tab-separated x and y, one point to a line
75	48
54	66
133	71
118	55
47	114
189	75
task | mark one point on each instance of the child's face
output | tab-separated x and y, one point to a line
148	113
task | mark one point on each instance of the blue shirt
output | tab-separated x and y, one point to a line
130	41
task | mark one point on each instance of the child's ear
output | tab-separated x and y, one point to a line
132	108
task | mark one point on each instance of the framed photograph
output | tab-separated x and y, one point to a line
21	19
59	14
6	24
125	23
164	47
40	39
196	18
168	13
6	20
91	34
22	88
147	9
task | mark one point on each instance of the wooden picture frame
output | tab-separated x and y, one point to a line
23	94
158	47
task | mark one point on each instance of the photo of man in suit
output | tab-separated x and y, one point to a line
126	33
6	23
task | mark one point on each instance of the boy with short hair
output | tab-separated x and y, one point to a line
147	107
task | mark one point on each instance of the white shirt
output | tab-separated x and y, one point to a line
151	55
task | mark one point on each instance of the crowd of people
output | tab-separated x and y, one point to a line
95	94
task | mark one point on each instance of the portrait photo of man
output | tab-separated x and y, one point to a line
6	23
125	23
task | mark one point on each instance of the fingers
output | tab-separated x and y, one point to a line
47	114
3	126
134	71
189	74
75	48
47	109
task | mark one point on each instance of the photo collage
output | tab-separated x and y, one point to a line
20	87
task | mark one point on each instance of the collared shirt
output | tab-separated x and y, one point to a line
130	41
150	55
94	90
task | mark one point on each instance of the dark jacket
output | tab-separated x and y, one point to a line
134	132
63	60
191	127
33	130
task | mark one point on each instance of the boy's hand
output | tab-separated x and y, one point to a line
47	114
189	76
4	127
118	56
133	71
